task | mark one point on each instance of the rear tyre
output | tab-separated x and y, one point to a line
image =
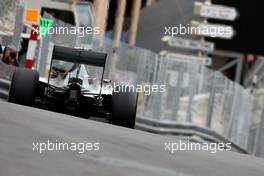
124	109
23	87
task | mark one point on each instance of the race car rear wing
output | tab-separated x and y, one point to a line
80	56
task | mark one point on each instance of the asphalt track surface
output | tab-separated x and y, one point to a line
122	151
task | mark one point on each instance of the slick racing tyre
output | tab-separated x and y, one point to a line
23	87
124	109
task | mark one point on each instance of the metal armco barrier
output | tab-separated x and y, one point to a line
6	72
4	88
186	130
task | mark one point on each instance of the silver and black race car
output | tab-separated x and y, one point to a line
75	86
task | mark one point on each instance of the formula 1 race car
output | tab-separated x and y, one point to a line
75	86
